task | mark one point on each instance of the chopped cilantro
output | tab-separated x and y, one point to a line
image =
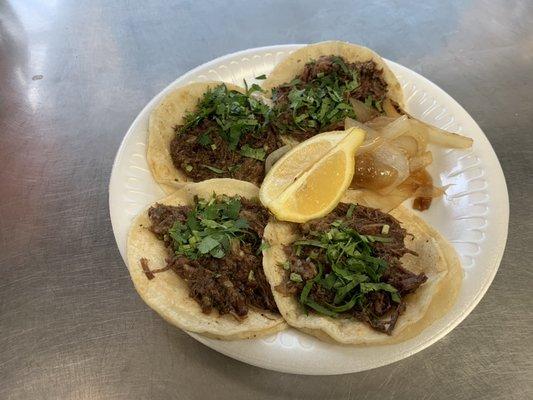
354	268
204	139
264	246
211	226
350	211
286	265
214	169
236	115
261	77
250	152
317	104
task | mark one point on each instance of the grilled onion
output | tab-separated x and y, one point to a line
363	112
440	137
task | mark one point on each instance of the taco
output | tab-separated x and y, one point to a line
209	130
360	276
195	257
315	88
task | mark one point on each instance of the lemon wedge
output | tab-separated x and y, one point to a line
309	181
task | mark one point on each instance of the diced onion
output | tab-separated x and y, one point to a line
290	140
362	111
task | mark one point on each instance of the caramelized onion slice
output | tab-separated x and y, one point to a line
372	174
362	111
422	161
352	123
440	137
370	145
408	144
380	122
394	158
387	203
396	128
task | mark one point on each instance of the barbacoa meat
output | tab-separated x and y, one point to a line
370	83
230	285
380	312
195	159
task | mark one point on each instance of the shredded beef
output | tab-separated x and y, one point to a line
163	217
186	152
380	312
371	83
230	285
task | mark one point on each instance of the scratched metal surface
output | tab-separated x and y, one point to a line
74	74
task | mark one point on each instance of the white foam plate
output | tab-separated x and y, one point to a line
473	216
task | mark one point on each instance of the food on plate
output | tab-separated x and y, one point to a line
309	180
391	164
210	130
336	85
361	276
349	266
195	257
315	88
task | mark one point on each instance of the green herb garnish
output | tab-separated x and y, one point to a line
211	228
250	152
261	77
318	104
236	115
264	246
214	169
354	268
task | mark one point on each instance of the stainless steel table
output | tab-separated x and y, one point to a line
73	75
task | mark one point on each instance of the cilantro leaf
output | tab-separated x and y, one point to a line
321	100
210	229
214	169
235	115
354	269
204	139
207	244
250	152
